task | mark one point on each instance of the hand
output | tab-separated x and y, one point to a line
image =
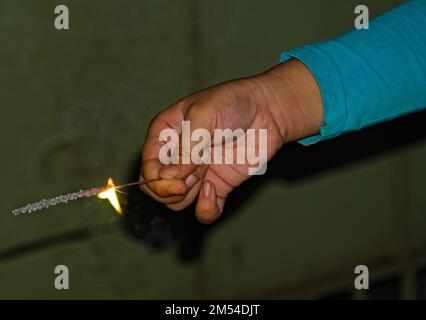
284	100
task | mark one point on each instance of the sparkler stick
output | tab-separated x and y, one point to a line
62	199
136	183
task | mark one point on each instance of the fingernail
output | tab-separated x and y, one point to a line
191	180
207	189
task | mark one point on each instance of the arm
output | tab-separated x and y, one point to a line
370	76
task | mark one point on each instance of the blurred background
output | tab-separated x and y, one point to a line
75	108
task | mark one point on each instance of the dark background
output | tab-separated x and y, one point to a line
75	108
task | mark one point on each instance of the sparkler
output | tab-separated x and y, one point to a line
108	192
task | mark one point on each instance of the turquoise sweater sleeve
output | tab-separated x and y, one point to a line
370	76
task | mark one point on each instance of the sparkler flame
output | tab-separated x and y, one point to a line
110	193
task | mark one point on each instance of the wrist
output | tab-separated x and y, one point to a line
293	99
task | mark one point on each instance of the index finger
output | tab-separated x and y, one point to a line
151	165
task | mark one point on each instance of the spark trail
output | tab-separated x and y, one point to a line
65	198
50	202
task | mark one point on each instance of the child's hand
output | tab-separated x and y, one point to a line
285	100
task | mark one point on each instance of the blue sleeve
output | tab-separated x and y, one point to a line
370	76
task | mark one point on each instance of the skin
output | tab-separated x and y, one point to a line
286	100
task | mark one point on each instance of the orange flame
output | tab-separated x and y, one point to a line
111	194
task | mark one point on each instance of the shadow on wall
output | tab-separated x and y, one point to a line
153	225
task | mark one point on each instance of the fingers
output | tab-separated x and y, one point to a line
170	118
187	199
209	205
196	117
176	171
178	185
193	183
165	191
212	195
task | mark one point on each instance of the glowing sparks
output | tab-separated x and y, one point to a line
110	193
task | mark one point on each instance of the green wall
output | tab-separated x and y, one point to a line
75	108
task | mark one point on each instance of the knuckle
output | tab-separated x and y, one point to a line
195	111
154	120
